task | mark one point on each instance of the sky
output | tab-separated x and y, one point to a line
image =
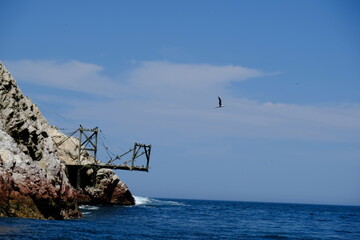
288	73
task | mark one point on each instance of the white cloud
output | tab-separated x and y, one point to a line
177	101
148	78
185	84
71	75
189	75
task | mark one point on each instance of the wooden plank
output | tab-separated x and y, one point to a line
118	167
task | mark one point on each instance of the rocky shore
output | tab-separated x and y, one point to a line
34	179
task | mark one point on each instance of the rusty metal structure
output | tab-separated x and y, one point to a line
88	142
88	145
130	164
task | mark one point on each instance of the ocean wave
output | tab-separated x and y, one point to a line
155	202
142	200
88	207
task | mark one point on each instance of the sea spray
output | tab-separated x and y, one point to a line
141	200
156	202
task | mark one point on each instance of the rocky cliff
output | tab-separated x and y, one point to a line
34	180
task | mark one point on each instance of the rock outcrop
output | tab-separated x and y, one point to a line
34	179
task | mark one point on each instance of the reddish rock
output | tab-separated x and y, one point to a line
107	190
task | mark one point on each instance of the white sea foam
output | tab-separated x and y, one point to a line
155	202
174	203
88	207
142	200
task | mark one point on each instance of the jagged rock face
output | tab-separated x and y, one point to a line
28	190
33	180
20	118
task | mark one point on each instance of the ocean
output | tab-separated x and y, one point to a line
153	218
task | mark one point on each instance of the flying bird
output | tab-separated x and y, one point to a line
220	103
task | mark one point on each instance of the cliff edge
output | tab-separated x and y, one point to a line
34	180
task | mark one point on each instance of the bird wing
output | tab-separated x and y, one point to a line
220	104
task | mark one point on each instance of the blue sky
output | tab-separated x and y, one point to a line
150	71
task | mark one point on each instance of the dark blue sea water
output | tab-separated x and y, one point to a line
194	219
